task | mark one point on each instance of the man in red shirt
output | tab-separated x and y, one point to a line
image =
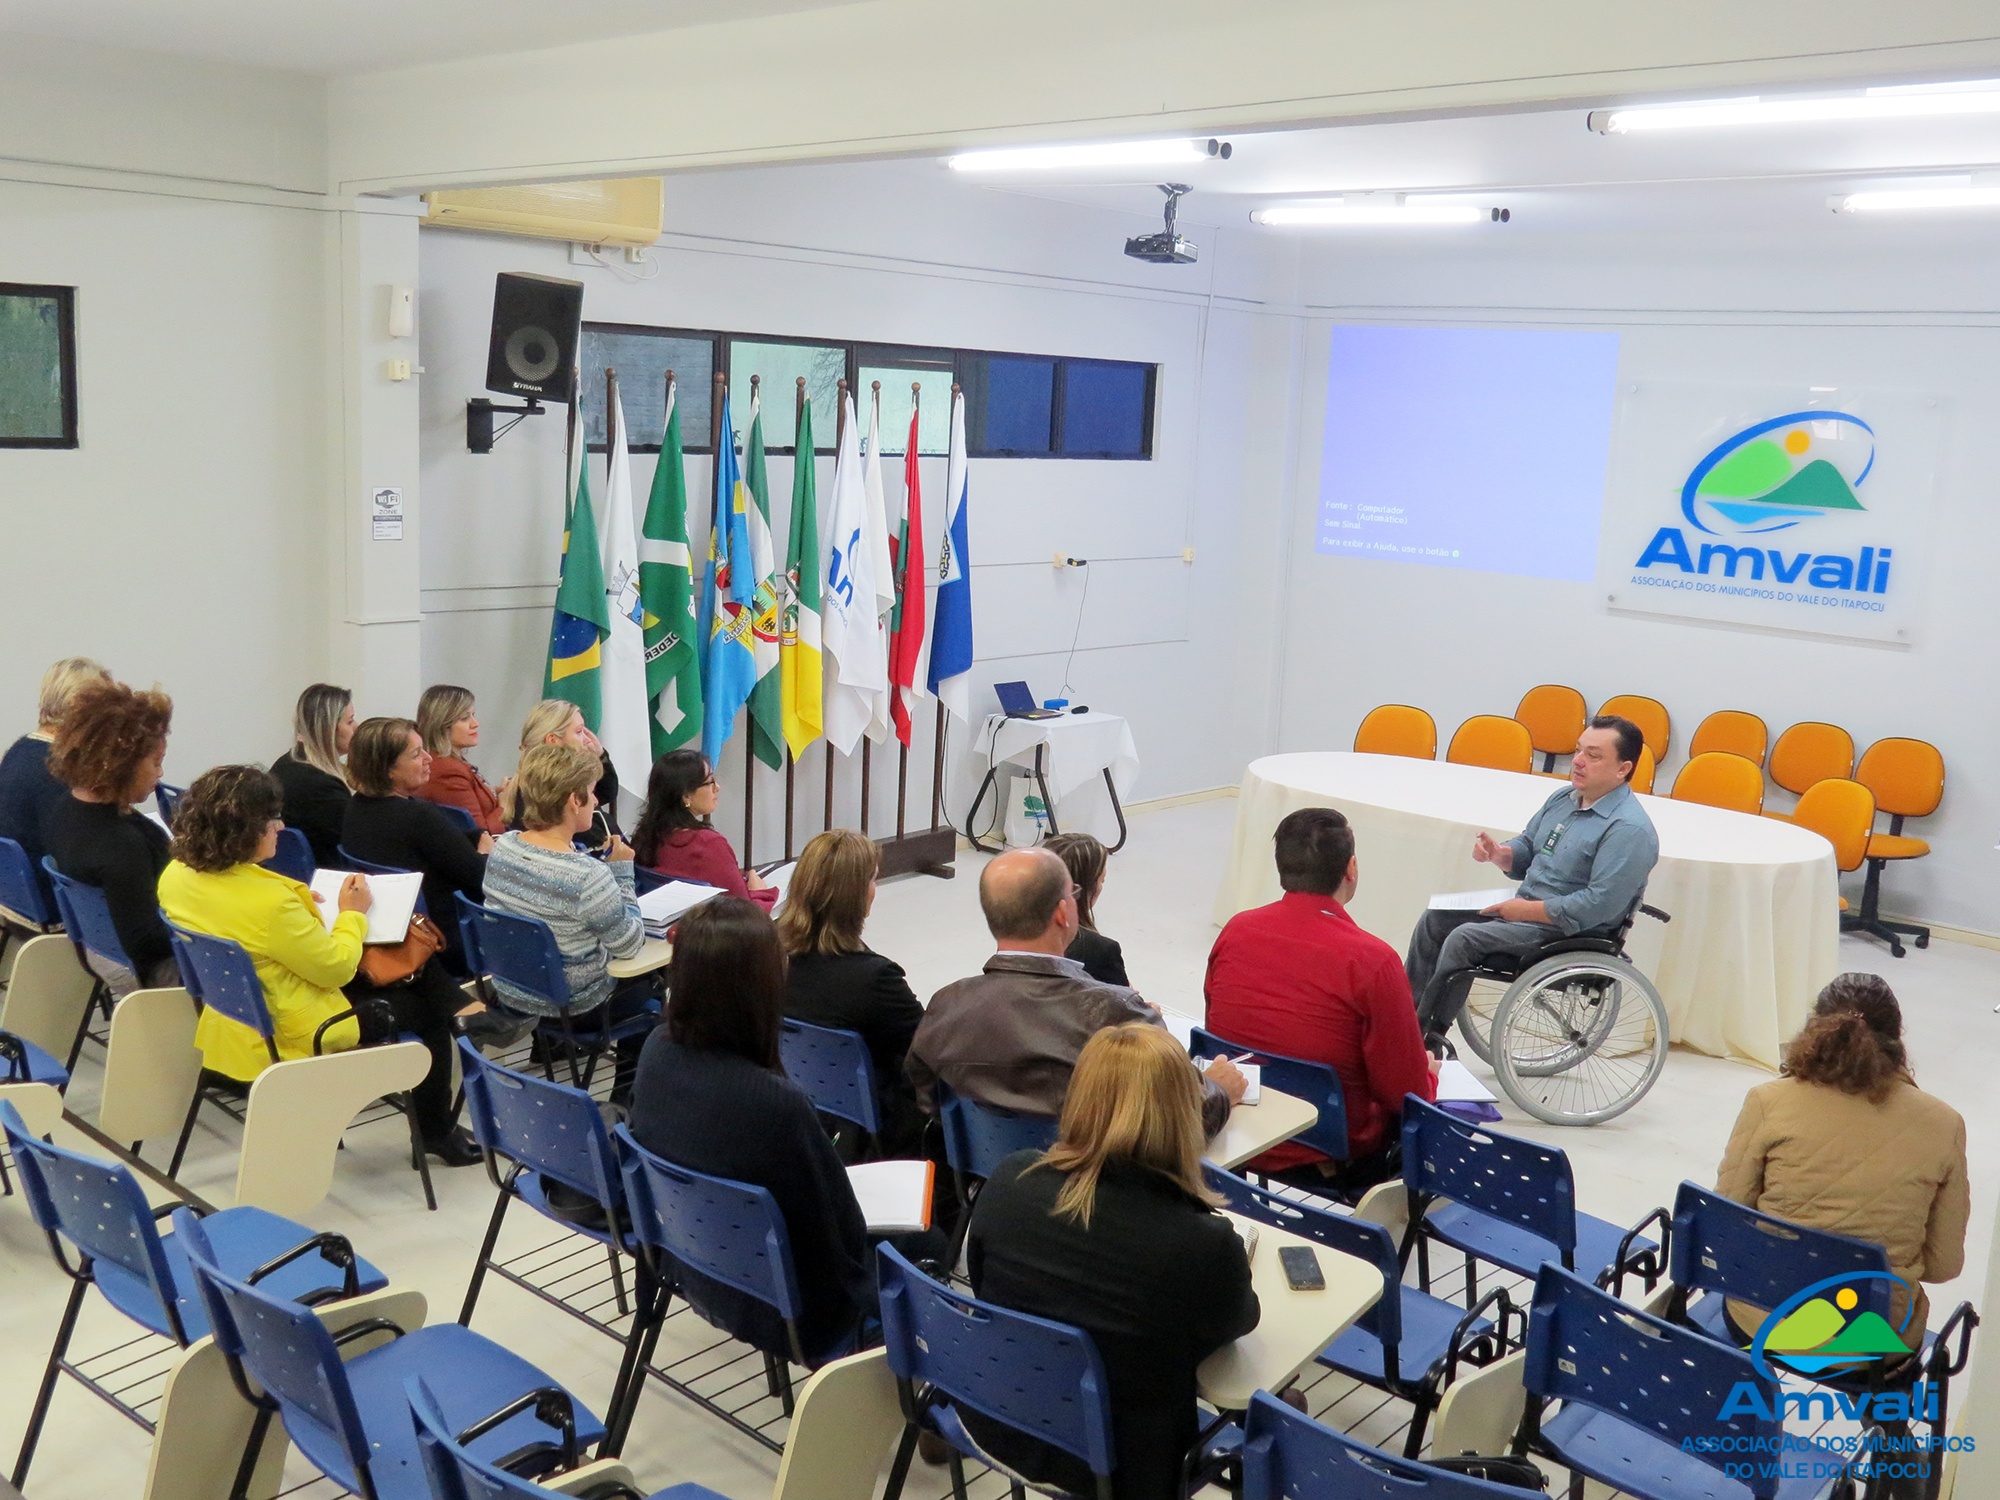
1298	977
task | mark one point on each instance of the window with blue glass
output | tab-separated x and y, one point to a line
1107	409
1010	405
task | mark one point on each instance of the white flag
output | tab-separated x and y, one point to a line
852	633
623	727
880	556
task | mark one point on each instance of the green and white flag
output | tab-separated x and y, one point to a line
767	733
666	594
802	670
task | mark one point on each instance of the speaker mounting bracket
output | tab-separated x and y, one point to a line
480	433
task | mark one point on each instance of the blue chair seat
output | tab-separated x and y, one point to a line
1522	1251
42	1067
483	1378
1634	1459
1427	1327
585	1024
244	1239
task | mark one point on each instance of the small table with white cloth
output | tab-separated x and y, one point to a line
1755	901
1066	752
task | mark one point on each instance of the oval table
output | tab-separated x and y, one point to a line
1755	901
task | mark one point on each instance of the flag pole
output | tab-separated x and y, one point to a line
839	437
937	750
867	745
903	750
749	726
791	761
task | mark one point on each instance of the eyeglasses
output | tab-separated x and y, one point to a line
711	782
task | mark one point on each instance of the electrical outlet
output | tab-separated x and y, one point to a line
1059	559
1187	554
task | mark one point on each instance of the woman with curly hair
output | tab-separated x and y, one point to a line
227	825
109	751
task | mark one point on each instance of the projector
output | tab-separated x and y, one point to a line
1169	247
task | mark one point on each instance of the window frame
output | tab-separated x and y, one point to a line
65	299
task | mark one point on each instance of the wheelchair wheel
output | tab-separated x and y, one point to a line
1579	1038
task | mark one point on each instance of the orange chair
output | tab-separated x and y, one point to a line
1717	778
1907	778
1554	717
1398	729
1489	740
1650	714
1807	753
1733	731
1842	812
1645	771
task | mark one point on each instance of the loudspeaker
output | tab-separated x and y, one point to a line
537	322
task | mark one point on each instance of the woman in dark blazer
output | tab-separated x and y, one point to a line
313	773
388	824
1113	1231
1086	859
838	981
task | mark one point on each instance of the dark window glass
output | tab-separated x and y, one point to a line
37	367
1106	409
642	357
1009	404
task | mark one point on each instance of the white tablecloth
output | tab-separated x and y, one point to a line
1755	903
1080	749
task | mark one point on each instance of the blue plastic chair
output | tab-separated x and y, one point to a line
294	859
977	1138
168	800
645	879
21	1061
1289	1456
1507	1201
23	892
86	917
97	1210
1316	1083
540	1132
351	1418
458	817
1409	1343
948	1350
834	1069
369	867
1633	1387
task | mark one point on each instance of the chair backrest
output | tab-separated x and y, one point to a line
1490	740
286	1350
1316	1083
834	1069
1588	1347
550	1128
645	879
1650	714
294	859
222	975
1553	716
1732	730
1037	1376
99	1208
731	1232
1721	778
21	891
458	817
520	950
1520	1182
1841	812
978	1137
1343	1233
454	1473
1289	1456
1906	776
1398	729
168	800
86	916
1809	752
369	867
1644	772
1722	1248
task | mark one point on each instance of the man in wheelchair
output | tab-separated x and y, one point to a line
1582	862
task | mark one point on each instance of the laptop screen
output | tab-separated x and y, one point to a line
1014	697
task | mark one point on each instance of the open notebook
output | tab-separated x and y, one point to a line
895	1196
665	905
388	919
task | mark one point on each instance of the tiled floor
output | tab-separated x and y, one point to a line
1157	904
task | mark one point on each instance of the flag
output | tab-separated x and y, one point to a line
857	679
767	712
882	560
951	625
800	664
666	594
907	667
728	669
576	635
623	731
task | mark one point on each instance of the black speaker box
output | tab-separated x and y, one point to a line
537	322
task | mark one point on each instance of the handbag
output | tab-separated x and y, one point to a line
1513	1470
386	964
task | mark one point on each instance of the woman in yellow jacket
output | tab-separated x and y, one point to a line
227	824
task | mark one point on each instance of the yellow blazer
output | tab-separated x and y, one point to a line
301	964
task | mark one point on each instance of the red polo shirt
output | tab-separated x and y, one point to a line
1300	978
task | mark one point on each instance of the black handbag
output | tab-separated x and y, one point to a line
1515	1471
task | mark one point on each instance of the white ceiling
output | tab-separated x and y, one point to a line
351	36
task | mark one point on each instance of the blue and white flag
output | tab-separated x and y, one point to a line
728	602
951	625
855	642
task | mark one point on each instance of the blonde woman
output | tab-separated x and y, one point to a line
837	980
555	721
448	720
313	772
27	788
1113	1231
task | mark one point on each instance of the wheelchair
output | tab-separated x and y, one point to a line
1579	1035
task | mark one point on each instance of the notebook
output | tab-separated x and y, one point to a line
395	900
665	905
1253	1080
1473	900
1457	1086
895	1196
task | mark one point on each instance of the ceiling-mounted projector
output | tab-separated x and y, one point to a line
1166	248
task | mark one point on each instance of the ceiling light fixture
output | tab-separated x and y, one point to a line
1099	154
1898	200
1376	209
1917	102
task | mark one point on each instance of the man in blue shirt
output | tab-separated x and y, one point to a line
1582	862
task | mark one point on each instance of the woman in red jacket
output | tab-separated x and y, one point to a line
448	720
674	837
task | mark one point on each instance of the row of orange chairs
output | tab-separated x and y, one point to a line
1898	776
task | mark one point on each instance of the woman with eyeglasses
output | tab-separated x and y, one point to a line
675	838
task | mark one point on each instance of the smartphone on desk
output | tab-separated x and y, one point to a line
1301	1266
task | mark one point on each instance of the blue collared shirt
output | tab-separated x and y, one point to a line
1587	866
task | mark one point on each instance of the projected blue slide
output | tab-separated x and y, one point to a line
1478	448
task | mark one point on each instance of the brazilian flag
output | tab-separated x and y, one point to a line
583	618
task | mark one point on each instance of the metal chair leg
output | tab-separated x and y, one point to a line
899	1471
617	1280
957	1465
187	1133
45	1395
485	1258
419	1157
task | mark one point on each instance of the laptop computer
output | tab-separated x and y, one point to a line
1016	702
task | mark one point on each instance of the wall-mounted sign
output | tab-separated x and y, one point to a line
1795	508
386	515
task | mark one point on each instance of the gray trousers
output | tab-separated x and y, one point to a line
1445	945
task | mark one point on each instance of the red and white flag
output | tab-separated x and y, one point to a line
908	646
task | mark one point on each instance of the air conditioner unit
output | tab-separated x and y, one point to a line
622	211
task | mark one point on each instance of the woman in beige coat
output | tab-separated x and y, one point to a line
1846	1141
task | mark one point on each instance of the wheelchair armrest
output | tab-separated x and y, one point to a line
1609	947
1655	913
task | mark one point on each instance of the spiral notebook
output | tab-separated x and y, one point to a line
389	917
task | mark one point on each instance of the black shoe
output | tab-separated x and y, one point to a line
932	1449
457	1148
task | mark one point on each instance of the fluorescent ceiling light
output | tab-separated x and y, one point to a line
1176	153
1894	200
1926	101
1344	211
